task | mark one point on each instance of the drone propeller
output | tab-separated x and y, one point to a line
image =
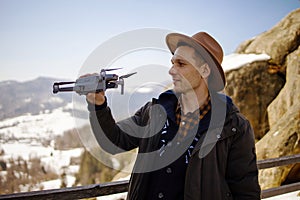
121	81
127	75
107	70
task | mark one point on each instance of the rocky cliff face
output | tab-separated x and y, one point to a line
268	93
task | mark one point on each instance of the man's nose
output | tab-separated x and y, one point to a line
172	70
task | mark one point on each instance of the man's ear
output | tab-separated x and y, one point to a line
205	70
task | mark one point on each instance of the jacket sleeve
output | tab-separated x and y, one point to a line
242	171
109	134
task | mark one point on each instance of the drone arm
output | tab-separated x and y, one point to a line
66	89
57	88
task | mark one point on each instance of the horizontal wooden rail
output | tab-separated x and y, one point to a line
103	189
280	190
276	162
79	192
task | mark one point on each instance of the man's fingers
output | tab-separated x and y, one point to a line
96	98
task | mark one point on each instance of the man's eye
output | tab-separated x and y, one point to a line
181	63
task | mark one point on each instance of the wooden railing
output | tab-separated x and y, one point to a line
103	189
276	162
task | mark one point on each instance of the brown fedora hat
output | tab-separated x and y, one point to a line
211	51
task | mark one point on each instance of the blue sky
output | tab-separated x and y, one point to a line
54	37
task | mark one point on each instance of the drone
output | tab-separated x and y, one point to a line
93	83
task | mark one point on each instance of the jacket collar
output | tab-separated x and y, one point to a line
169	99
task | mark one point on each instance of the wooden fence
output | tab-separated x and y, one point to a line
103	189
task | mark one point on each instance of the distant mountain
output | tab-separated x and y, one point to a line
36	97
33	97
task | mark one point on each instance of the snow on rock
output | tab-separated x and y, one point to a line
235	61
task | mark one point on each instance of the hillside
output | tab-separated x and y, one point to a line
32	97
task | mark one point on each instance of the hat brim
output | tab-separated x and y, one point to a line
216	81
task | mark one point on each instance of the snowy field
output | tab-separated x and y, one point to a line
287	196
40	126
24	137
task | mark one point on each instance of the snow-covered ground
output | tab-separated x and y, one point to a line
287	196
113	196
52	159
40	126
24	136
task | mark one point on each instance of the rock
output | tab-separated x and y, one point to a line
284	120
290	94
277	42
253	88
282	139
268	93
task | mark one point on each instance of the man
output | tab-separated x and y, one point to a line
202	148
